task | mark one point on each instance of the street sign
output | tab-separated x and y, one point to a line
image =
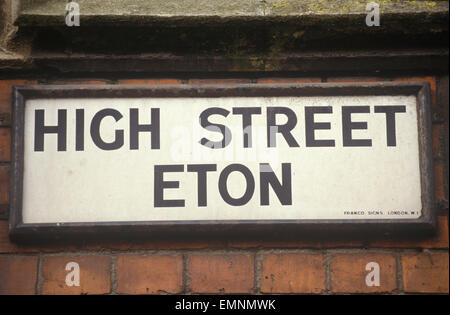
221	159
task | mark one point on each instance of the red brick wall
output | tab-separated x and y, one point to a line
212	266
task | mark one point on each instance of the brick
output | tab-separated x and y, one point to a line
219	81
151	81
163	244
288	80
293	273
355	79
18	274
431	80
6	93
425	273
343	243
442	99
232	273
348	273
5	244
316	244
5	119
439	240
149	274
439	181
4	212
94	275
272	244
166	244
4	184
5	144
78	82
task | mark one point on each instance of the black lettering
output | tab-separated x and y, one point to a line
250	184
390	121
225	131
247	113
285	130
268	177
201	170
153	128
348	125
40	129
311	126
95	130
160	185
79	130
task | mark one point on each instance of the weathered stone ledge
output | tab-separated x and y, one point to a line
185	12
317	63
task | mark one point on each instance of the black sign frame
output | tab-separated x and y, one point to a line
260	229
